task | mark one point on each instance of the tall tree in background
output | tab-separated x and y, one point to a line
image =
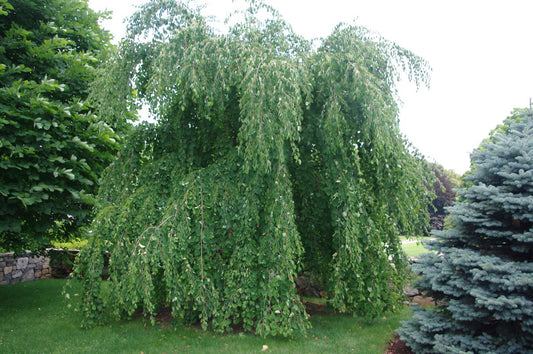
444	187
52	148
481	275
267	157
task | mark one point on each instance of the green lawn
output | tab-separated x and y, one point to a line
34	318
413	249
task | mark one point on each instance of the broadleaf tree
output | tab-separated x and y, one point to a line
447	181
268	157
53	148
481	275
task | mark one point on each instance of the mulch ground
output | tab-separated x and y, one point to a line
397	346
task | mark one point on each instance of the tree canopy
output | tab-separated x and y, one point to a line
52	148
268	157
481	273
447	181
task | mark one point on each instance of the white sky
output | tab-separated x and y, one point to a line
481	52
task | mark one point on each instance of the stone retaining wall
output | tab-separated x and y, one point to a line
24	268
57	263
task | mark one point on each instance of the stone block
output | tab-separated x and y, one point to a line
38	273
22	262
2	264
29	275
8	270
16	274
1	276
410	291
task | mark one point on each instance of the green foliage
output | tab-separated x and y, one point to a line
268	157
517	115
482	272
52	148
76	244
447	181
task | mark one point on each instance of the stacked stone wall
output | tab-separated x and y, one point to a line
23	268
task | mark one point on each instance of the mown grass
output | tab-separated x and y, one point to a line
34	318
413	247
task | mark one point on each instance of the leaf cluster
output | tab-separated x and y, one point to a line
447	182
52	147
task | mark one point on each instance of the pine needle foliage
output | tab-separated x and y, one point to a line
482	273
268	157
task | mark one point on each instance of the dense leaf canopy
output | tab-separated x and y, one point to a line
268	157
52	148
447	181
482	273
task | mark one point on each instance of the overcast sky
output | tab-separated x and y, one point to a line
481	53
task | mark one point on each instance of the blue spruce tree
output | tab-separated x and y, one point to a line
481	274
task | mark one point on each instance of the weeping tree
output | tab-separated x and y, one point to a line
268	157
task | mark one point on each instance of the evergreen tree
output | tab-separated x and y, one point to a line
267	157
481	275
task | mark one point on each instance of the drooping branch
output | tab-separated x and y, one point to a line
268	158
